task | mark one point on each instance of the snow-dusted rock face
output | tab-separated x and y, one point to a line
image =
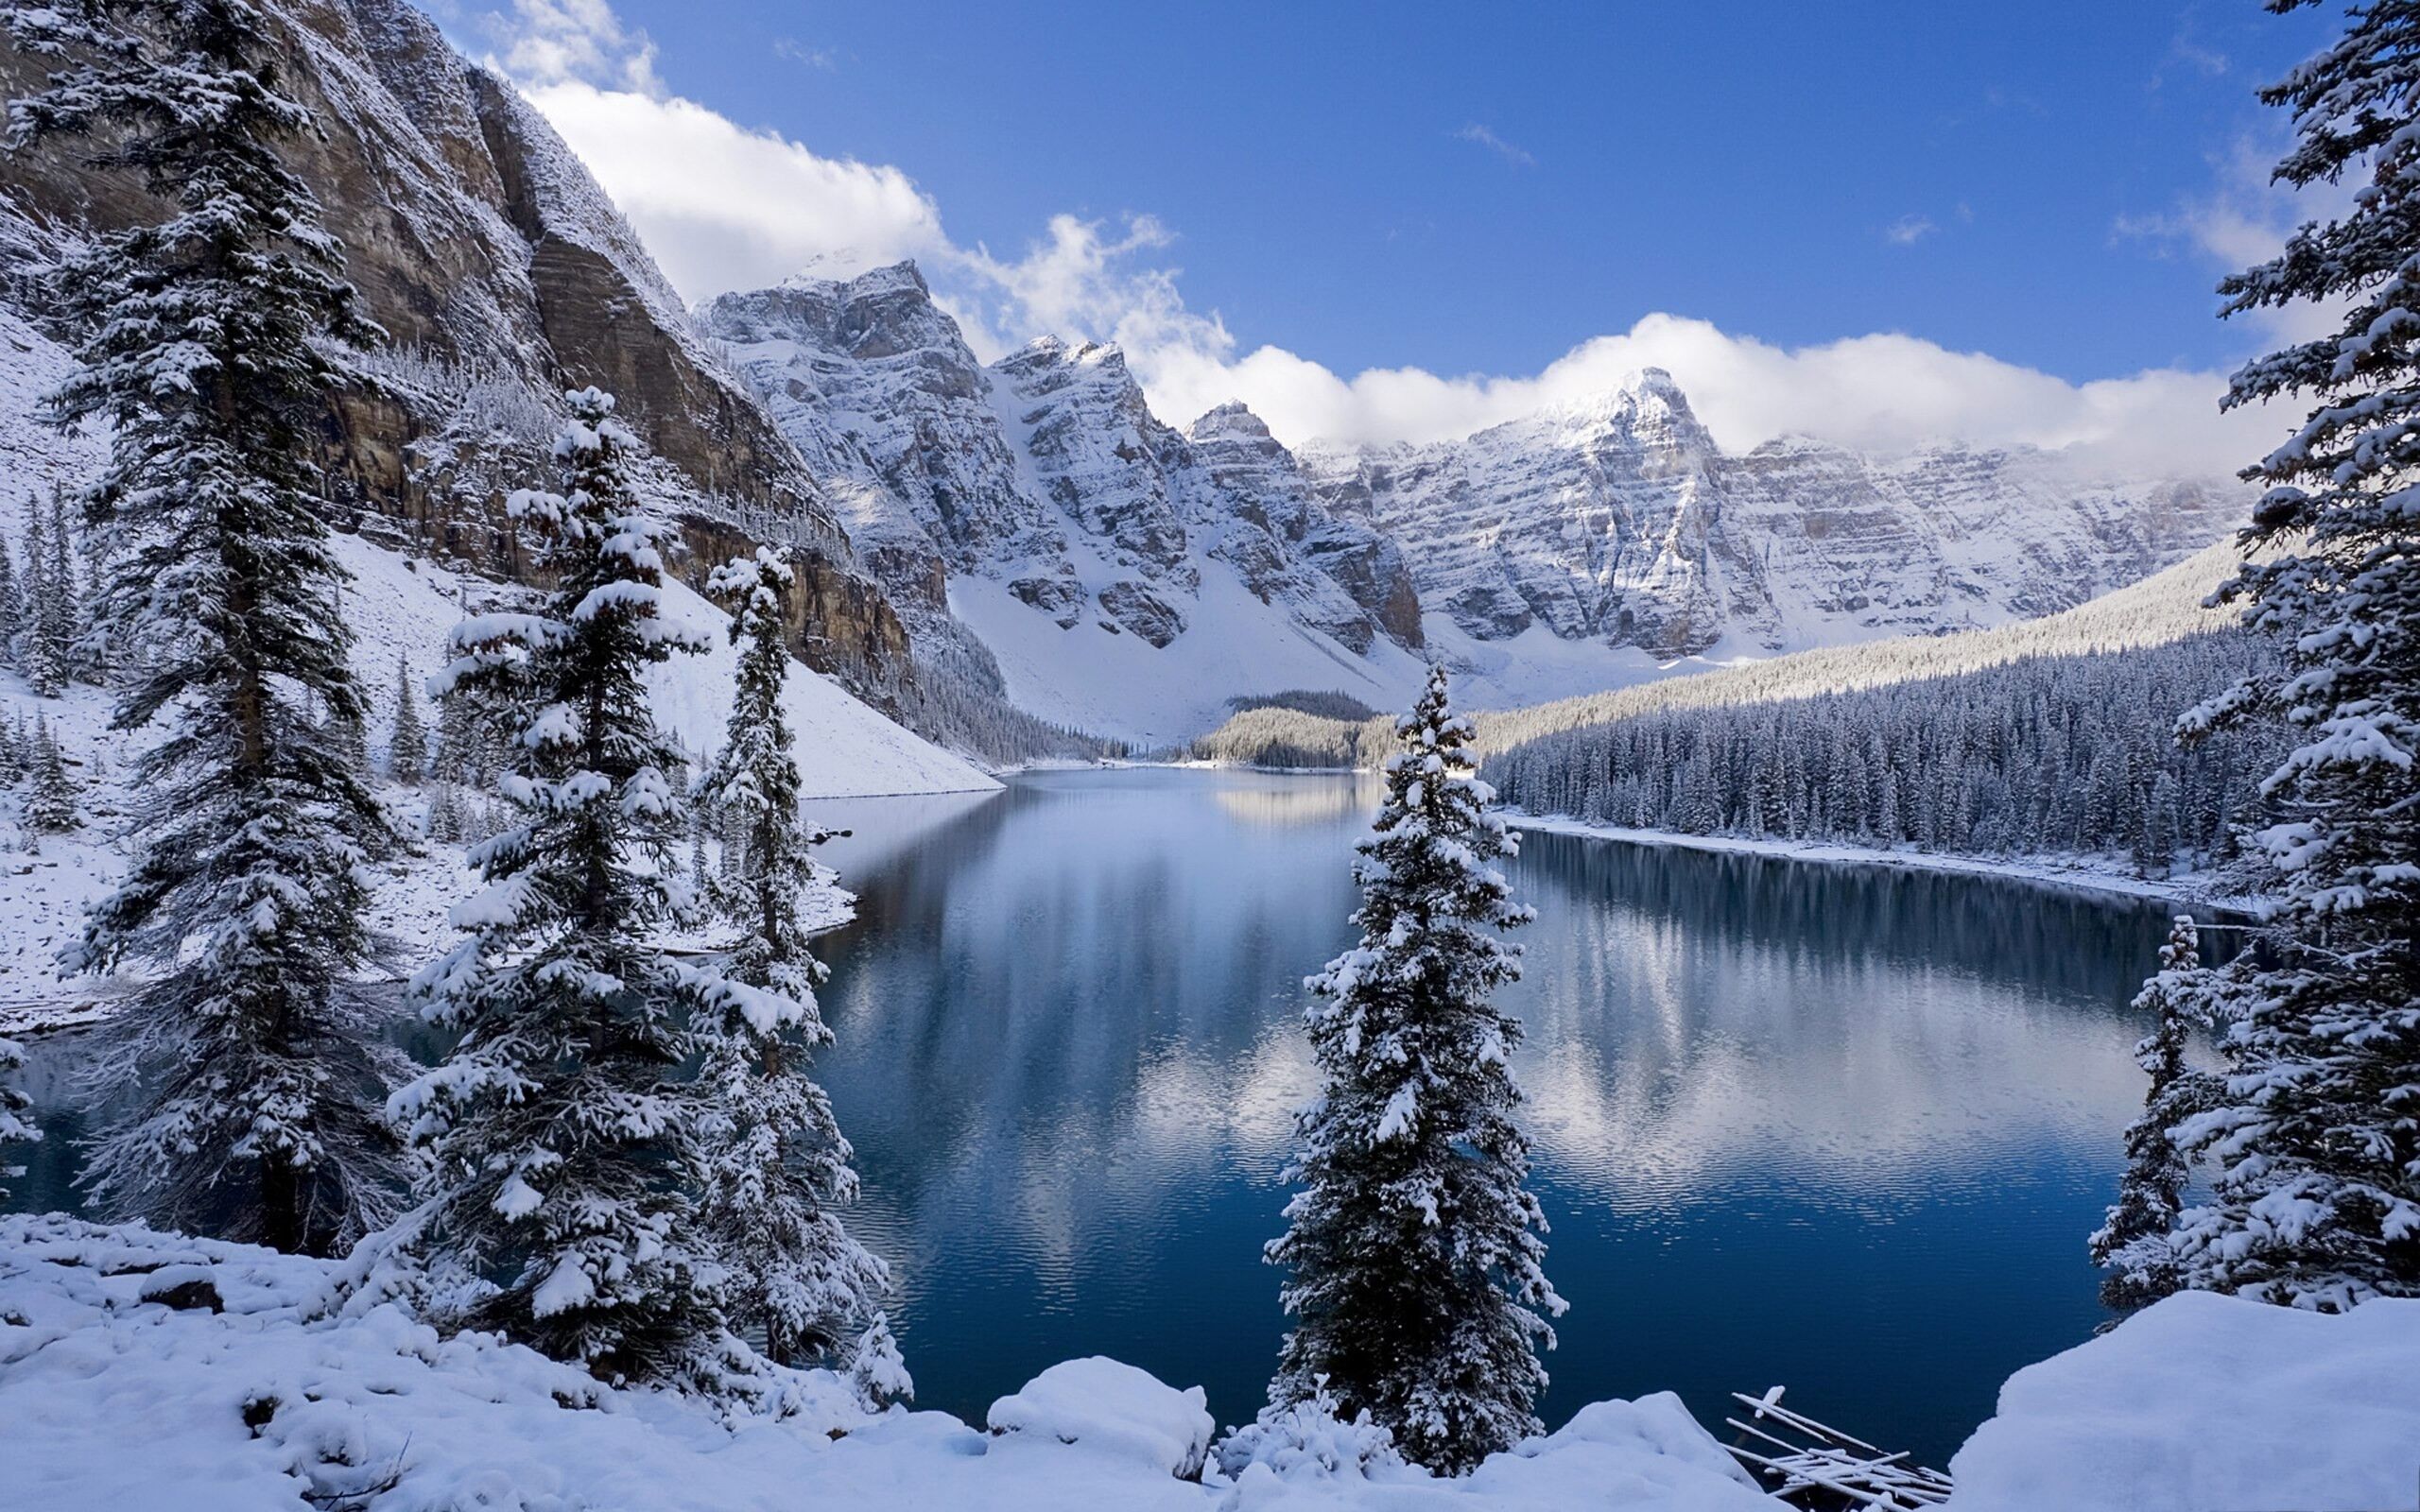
881	395
1618	518
1046	481
504	275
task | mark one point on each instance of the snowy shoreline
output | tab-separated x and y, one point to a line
2070	873
2077	873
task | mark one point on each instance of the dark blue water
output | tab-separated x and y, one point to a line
1839	1128
1842	1128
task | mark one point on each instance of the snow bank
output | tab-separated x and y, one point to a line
2207	1402
142	1369
1113	1409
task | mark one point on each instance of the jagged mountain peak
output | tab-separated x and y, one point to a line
1647	406
845	266
1233	419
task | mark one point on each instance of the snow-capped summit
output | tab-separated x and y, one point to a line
1616	518
1049	507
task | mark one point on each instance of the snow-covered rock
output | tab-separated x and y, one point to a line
1104	1407
2207	1401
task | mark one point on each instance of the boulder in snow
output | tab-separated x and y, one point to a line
1116	1409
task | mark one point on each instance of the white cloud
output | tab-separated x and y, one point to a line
549	41
2241	221
1908	229
799	52
1518	157
724	207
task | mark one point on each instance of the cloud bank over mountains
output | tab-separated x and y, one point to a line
724	206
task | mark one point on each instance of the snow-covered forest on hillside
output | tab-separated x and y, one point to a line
2053	756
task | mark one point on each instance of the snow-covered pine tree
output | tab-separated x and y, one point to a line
2134	1241
36	658
62	609
878	1372
13	754
208	346
1417	1277
16	1113
13	604
2316	1202
51	794
779	1166
566	1139
408	749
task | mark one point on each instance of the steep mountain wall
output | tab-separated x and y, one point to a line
504	275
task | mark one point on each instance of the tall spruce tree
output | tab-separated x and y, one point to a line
2316	1202
51	794
408	749
1417	1279
208	343
778	1165
37	658
567	1137
63	608
2134	1241
13	604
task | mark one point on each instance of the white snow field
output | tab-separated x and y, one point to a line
141	1369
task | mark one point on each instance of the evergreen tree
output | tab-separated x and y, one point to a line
2135	1239
780	1166
878	1373
407	749
1417	1279
62	607
37	656
567	1142
2316	1202
51	806
13	604
17	1126
209	346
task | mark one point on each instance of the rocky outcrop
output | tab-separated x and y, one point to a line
496	266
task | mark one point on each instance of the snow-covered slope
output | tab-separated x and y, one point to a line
1118	575
1617	520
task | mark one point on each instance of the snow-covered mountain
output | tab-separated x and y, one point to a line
1120	575
1129	578
1617	520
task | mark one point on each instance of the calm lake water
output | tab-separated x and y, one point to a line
1841	1128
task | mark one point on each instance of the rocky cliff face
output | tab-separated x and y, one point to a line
1047	473
504	275
1618	520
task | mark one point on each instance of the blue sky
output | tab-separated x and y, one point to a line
1463	190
